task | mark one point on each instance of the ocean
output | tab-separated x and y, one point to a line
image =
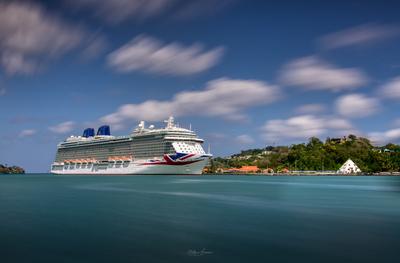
47	218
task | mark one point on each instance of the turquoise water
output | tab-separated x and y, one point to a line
45	218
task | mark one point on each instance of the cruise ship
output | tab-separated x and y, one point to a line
169	150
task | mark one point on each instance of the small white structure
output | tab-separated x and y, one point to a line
349	167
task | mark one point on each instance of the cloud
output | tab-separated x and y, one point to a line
310	108
389	136
63	127
27	133
391	89
244	139
312	73
363	34
29	36
226	98
95	46
189	9
304	127
16	63
392	136
118	11
356	105
148	54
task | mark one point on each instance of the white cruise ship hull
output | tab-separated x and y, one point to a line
170	150
193	165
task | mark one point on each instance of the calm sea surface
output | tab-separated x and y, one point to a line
46	218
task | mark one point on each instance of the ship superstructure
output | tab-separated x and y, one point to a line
170	150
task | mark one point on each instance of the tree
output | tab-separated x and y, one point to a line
316	155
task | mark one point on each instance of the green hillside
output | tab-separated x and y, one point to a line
317	155
11	169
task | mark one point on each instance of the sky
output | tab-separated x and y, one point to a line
242	74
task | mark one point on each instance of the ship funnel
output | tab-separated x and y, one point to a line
104	130
88	132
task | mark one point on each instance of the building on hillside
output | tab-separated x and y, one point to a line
339	140
243	169
207	170
249	169
220	170
231	170
385	150
268	171
266	152
349	167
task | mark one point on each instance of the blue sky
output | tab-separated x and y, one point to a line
244	74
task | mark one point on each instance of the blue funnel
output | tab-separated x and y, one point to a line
88	132
104	130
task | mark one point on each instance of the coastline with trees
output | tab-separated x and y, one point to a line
316	155
4	169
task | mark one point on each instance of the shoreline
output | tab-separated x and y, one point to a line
227	174
309	174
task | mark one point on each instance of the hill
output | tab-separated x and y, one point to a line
317	155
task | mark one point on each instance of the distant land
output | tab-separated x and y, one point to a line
11	170
314	155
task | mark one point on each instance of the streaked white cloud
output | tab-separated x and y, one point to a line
310	108
148	54
64	127
363	34
226	98
244	139
17	63
311	73
304	127
27	133
380	138
391	89
118	11
357	105
189	9
29	36
95	46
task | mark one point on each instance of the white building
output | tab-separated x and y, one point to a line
349	167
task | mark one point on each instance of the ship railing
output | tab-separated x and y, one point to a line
120	158
80	161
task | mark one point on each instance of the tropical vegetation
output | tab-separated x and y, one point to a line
317	155
11	169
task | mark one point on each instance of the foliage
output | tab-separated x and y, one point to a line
317	155
11	170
